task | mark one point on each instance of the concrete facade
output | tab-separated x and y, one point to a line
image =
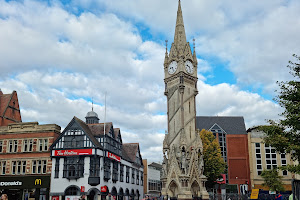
264	157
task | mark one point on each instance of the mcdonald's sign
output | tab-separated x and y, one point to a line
38	181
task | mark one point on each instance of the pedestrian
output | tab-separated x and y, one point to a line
82	197
4	197
278	196
108	197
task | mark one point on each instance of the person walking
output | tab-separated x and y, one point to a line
4	197
108	197
278	196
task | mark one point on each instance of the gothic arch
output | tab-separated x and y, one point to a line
195	189
173	189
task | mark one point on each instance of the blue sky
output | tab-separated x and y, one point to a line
58	55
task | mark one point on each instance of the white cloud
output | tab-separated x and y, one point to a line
229	100
57	60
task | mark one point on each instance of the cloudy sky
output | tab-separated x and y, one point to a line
59	55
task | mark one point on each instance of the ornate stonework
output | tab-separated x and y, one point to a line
182	147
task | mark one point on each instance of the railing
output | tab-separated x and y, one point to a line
235	196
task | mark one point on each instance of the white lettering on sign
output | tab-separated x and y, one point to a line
13	183
113	156
66	153
73	152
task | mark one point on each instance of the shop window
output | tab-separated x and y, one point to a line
19	167
95	167
2	167
258	158
39	166
142	178
56	169
121	173
75	139
72	191
127	174
115	174
23	167
13	146
107	169
43	144
73	167
1	146
132	176
13	167
137	177
44	166
27	145
283	163
271	160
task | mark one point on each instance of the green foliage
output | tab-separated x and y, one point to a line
214	164
272	180
284	135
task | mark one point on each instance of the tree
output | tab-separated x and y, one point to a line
214	164
272	180
284	135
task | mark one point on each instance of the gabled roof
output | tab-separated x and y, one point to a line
98	129
156	165
129	151
9	103
230	124
84	128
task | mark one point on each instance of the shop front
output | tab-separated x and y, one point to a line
25	187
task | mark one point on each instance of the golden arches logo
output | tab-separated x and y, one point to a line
38	182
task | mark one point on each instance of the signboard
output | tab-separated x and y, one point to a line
24	182
72	198
82	189
113	156
55	198
103	188
222	180
73	152
254	194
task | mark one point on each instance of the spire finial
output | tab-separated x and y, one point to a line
194	44
166	46
179	38
92	104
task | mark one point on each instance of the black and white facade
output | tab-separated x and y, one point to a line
90	158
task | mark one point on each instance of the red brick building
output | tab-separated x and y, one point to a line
25	163
233	139
9	108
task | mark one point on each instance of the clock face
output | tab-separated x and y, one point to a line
172	67
189	67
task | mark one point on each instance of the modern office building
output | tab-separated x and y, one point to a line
152	175
263	156
233	139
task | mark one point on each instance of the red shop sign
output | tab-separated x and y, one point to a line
104	188
73	152
55	198
82	189
222	180
113	156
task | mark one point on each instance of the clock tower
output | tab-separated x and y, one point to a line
182	147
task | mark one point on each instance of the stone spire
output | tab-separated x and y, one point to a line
179	38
